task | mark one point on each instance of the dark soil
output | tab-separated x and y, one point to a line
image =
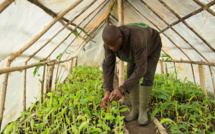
133	126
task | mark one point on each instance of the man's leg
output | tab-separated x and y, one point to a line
147	85
133	96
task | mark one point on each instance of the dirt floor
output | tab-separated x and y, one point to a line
133	127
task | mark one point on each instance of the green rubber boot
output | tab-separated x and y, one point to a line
134	99
144	98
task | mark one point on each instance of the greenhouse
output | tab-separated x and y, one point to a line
55	69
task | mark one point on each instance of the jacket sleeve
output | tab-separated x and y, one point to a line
108	69
140	58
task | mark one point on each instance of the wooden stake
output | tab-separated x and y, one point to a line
71	65
167	74
176	74
49	79
5	4
202	79
24	91
3	94
194	78
162	70
42	85
212	78
76	61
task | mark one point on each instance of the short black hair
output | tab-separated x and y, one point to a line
111	33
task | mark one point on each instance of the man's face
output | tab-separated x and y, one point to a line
114	46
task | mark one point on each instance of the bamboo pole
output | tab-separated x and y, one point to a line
162	70
49	78
202	79
5	4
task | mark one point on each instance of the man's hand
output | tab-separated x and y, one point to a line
105	100
115	95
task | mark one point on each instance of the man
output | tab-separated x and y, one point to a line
140	46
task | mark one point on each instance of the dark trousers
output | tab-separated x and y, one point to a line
152	61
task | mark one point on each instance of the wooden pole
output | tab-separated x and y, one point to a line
49	78
5	4
3	94
71	65
42	85
120	23
167	74
162	70
121	63
24	91
192	62
76	61
212	78
194	78
176	74
202	79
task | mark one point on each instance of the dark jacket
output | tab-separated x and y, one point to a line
139	41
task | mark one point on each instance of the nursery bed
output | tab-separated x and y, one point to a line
75	108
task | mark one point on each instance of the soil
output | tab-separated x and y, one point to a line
133	126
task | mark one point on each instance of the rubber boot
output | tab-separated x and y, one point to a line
134	99
144	98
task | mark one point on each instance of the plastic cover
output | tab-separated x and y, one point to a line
22	20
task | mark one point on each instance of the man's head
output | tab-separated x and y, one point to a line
112	37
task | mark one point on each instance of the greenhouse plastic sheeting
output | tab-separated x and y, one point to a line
22	21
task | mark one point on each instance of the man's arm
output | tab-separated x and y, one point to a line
108	69
108	75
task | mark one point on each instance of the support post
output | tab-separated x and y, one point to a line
49	78
76	61
71	65
212	78
121	63
121	22
202	79
162	71
42	85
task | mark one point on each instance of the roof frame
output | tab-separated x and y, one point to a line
52	13
173	30
155	25
186	24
